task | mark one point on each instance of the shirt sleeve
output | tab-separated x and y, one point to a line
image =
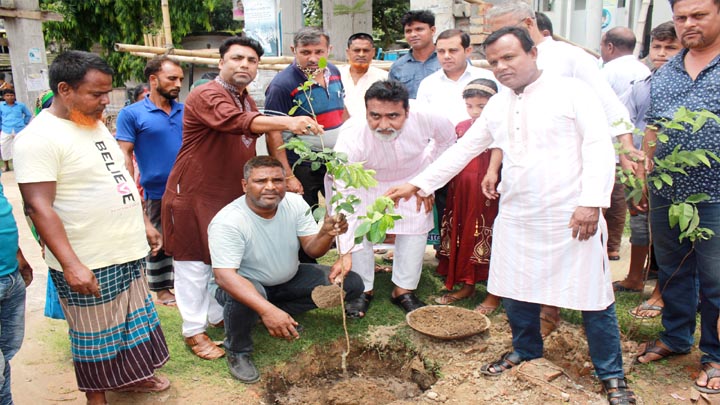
277	98
208	107
305	224
227	242
125	126
37	159
27	115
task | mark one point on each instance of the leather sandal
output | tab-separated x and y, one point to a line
653	347
408	302
618	392
711	373
507	361
155	383
354	308
203	347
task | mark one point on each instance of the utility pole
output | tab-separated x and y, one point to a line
23	24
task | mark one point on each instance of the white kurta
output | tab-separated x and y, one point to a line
355	92
423	137
556	156
623	71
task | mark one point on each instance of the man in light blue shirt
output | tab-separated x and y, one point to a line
13	118
411	68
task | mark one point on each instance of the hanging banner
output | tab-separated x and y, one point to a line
261	23
609	14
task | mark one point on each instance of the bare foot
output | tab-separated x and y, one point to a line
467	290
166	297
95	398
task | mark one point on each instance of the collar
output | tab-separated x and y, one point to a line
412	58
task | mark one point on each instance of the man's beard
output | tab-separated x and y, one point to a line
167	94
698	42
385	137
360	67
84	120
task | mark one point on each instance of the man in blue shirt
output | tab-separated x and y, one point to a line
15	275
152	130
13	118
411	68
690	80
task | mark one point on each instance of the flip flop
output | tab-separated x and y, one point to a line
711	373
617	287
381	268
485	309
645	307
152	384
506	362
168	303
653	347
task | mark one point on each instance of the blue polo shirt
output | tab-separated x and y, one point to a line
8	237
672	88
14	117
157	137
410	71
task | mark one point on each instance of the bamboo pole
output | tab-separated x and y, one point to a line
165	5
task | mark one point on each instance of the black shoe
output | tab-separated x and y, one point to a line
242	367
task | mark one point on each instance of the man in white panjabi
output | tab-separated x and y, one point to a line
359	74
397	143
548	237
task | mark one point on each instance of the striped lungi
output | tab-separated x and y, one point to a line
116	340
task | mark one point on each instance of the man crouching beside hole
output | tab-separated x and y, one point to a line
253	243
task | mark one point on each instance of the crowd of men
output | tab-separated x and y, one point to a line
225	235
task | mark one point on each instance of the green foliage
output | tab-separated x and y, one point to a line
386	21
312	13
105	22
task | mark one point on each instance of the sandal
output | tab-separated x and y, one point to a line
382	268
449	298
711	373
618	287
408	302
618	392
152	384
354	308
507	361
645	306
653	347
203	347
486	309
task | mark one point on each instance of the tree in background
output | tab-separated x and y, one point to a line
104	23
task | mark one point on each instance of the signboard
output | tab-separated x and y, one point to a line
609	14
262	23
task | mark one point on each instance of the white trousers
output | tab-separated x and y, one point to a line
196	306
6	143
407	262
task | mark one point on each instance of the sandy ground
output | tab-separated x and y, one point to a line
42	376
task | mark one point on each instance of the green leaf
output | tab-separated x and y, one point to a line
694	222
319	213
696	198
337	196
362	229
293	110
322	63
315	166
346	207
673	215
662	138
686	213
666	179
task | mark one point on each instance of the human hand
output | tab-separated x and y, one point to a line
584	222
154	238
334	225
26	270
488	185
428	202
304	126
82	280
293	185
404	191
280	324
340	268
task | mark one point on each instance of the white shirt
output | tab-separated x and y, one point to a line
443	95
355	92
621	72
562	59
556	156
424	136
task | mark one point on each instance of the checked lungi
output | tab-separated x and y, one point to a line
116	340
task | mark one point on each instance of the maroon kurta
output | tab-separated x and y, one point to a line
207	174
466	227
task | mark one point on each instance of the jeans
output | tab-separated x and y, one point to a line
292	297
680	269
601	329
12	327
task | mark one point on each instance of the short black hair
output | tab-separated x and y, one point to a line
388	90
469	91
242	41
621	38
361	35
672	3
72	66
310	36
664	32
140	89
447	34
543	22
423	16
154	65
520	33
261	161
8	91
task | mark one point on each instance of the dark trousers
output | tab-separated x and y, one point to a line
160	274
313	182
292	297
601	329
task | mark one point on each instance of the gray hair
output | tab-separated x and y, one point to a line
518	8
310	36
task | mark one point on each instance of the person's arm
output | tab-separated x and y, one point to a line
490	181
25	269
127	149
274	142
27	115
318	244
278	322
39	198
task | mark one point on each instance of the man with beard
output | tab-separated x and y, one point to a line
397	143
253	241
548	236
358	75
152	129
87	210
323	102
220	126
690	80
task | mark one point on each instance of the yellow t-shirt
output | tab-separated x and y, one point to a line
96	197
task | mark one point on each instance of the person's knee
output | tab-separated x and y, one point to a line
354	285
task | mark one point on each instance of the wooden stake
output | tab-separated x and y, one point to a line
166	23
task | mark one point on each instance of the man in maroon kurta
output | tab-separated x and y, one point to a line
220	127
